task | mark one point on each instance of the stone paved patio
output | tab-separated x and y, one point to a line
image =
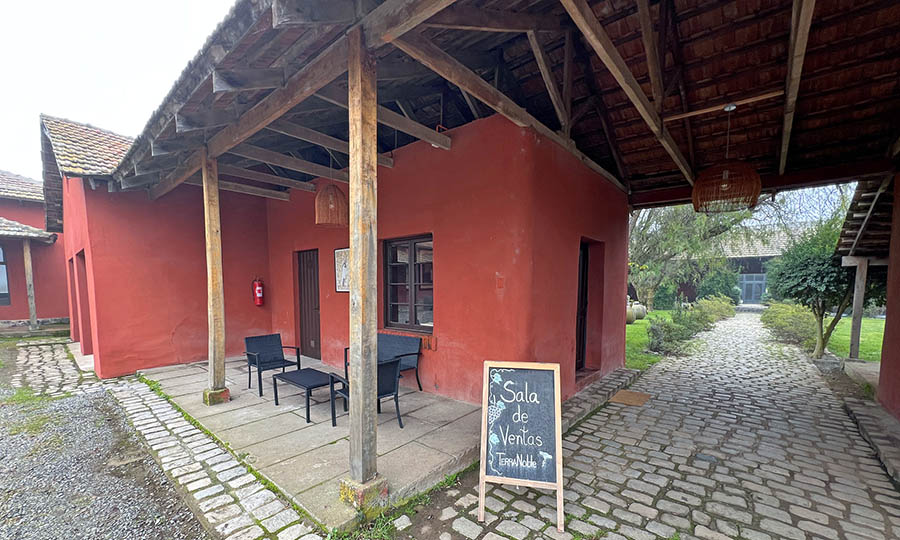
307	460
742	439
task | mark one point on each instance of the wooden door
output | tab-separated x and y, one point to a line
309	303
581	317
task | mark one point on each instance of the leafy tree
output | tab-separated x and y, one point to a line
809	273
719	280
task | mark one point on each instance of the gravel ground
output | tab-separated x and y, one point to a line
74	468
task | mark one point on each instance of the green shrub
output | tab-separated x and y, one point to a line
791	323
668	336
664	298
720	282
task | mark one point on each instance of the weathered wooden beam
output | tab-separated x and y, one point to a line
894	148
407	109
583	108
238	80
651	51
383	24
398	69
29	284
303	133
363	118
391	119
236	187
179	143
546	69
249	174
596	36
312	12
288	162
215	290
492	20
862	228
568	78
194	121
181	173
139	180
720	107
447	67
157	163
801	20
471	104
847	260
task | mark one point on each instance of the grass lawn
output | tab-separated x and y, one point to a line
869	339
637	339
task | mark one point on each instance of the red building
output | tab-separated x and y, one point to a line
28	253
502	242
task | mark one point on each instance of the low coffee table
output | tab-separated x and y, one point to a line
307	378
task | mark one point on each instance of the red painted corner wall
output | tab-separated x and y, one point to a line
507	211
889	379
146	267
47	263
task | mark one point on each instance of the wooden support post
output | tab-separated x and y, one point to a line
29	285
215	302
859	300
363	108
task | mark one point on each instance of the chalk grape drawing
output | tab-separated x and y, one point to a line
495	409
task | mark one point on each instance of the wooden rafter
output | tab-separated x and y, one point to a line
311	13
383	24
195	121
596	36
651	51
418	47
865	222
801	19
303	133
546	69
239	80
249	174
492	20
568	78
278	159
719	107
245	189
894	149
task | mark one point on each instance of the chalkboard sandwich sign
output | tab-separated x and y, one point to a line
521	429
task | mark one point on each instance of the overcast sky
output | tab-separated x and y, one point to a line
108	63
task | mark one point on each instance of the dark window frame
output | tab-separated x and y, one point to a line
411	272
5	298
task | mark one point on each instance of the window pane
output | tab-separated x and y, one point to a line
399	273
424	295
424	251
424	273
425	315
398	294
399	313
2	256
4	284
399	253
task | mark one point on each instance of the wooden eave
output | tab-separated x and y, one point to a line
845	114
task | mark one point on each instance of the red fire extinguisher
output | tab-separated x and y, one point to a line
258	292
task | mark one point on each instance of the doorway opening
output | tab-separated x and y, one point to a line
310	325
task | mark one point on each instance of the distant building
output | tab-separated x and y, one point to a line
29	253
749	258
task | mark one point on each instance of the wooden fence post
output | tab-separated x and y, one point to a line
29	285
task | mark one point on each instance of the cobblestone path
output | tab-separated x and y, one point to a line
741	439
221	491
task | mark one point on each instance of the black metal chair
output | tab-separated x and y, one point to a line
393	346
388	382
266	352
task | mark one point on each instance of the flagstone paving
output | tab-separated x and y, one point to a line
741	439
221	491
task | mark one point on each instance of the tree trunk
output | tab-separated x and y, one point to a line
820	335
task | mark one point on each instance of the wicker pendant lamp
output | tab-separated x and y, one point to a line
728	186
332	208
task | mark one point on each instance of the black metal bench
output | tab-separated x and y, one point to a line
266	352
407	349
388	382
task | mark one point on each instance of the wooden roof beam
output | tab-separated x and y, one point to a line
383	24
492	20
894	149
651	51
719	108
196	121
418	47
596	36
546	69
238	80
312	12
249	174
801	19
862	228
389	118
303	133
245	189
278	159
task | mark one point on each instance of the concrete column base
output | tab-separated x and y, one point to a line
214	397
369	498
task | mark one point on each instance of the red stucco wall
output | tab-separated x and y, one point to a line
146	268
889	379
496	204
47	262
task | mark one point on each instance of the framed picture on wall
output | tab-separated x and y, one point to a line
342	270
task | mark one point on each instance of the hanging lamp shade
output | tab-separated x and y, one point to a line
332	208
726	187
